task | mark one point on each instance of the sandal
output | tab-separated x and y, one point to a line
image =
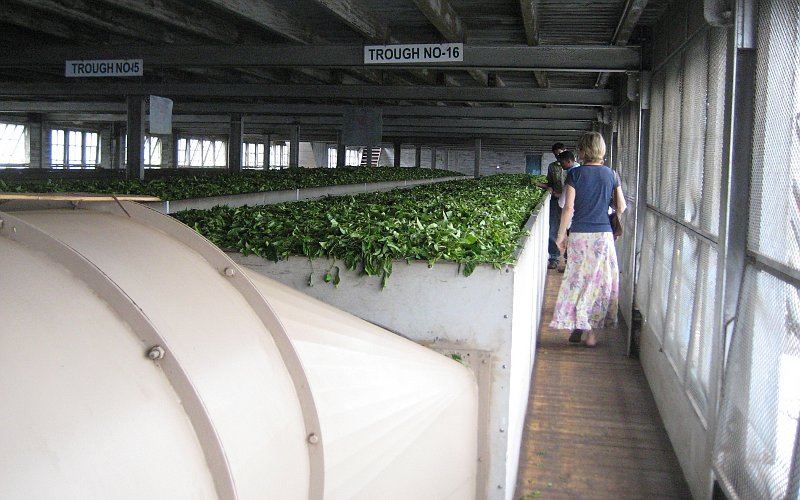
575	336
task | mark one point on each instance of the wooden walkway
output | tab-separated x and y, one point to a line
592	429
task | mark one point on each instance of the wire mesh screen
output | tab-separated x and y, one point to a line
660	276
647	260
678	262
700	354
757	447
627	269
758	424
670	170
683	283
628	147
715	120
775	178
627	167
693	130
655	139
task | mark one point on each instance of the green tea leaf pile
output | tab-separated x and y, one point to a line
469	222
172	185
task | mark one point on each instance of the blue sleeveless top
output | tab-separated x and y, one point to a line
594	185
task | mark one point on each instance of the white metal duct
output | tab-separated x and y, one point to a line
140	362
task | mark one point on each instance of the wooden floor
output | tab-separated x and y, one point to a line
592	429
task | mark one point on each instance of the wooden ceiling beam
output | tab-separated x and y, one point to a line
530	19
289	109
359	18
270	17
622	34
444	17
26	18
189	19
110	20
583	58
326	93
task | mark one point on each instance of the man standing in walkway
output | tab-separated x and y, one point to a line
555	185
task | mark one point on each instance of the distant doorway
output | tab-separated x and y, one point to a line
533	164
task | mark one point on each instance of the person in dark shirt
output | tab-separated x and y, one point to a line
567	161
589	294
555	185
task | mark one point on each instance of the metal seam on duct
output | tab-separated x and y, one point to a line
262	309
122	304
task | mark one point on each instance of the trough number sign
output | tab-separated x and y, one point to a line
104	67
413	53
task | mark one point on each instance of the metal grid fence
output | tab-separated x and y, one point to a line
676	289
757	445
715	120
627	165
669	166
759	416
692	141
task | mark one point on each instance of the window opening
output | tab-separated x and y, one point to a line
253	154
279	155
202	152
74	149
14	145
332	156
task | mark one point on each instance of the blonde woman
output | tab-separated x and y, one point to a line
589	293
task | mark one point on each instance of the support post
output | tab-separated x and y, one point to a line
433	157
418	160
168	156
39	137
267	151
398	148
734	215
477	172
235	144
294	147
135	137
341	151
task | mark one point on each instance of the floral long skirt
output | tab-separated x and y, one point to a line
589	293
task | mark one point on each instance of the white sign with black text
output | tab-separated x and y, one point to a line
104	67
413	53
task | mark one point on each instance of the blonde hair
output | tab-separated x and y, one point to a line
593	147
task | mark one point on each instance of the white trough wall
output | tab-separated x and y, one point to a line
492	310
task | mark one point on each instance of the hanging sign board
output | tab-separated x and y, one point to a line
413	53
160	115
362	126
104	67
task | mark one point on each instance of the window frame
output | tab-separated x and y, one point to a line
67	148
214	141
25	138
